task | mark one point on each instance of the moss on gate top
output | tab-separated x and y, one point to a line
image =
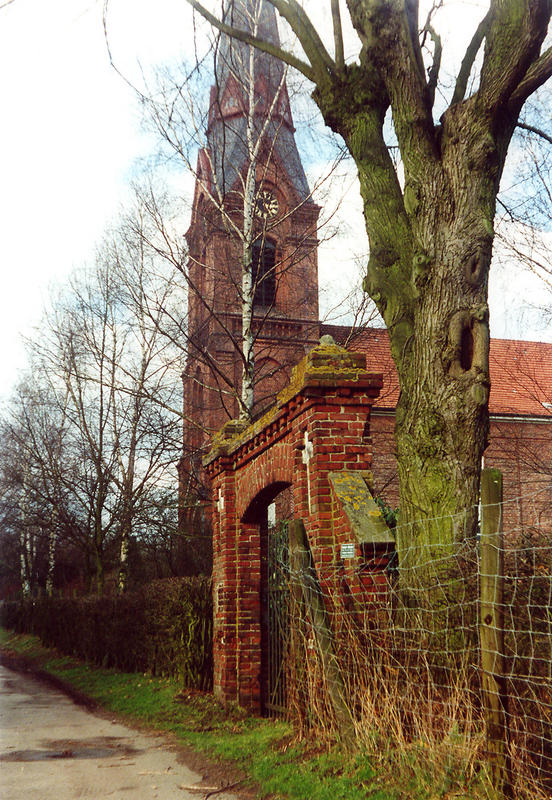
326	365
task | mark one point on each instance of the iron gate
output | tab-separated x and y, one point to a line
276	620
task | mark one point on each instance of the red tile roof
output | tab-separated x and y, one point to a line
521	372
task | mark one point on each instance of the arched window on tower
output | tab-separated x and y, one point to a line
264	272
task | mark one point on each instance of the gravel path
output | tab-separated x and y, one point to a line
53	749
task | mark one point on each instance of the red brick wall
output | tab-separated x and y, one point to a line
249	467
520	449
384	462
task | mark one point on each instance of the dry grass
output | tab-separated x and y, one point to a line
416	708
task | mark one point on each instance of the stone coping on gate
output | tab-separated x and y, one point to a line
364	517
326	369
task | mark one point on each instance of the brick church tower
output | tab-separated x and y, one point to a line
251	196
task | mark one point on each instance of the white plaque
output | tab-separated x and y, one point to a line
348	550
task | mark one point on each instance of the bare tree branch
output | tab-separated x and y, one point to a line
469	58
433	75
338	35
507	81
537	131
307	34
260	44
537	74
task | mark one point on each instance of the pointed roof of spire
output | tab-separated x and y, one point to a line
235	70
255	16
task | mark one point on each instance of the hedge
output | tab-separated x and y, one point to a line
164	628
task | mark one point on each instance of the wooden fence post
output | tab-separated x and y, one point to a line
492	630
309	594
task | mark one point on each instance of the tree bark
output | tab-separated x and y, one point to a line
122	579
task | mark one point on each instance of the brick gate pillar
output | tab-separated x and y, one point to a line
332	431
225	574
236	588
319	428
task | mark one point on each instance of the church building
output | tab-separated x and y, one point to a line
250	129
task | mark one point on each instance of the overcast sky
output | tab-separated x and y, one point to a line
70	136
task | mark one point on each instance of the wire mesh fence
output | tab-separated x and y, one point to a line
409	670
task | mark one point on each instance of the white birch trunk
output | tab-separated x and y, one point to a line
52	542
123	563
25	545
248	289
24	571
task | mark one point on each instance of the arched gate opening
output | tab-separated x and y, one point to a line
271	510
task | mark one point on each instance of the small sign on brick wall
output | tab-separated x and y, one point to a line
348	550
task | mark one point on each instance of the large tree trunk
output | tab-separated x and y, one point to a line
430	250
431	291
442	414
441	433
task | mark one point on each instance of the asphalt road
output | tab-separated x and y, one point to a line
53	749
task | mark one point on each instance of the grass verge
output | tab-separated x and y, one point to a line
267	751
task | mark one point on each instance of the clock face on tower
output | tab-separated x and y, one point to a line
267	204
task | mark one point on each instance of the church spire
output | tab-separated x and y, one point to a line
238	71
235	69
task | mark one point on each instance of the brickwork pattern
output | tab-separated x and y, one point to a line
319	425
520	448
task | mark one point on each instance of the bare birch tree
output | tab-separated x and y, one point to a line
107	366
230	147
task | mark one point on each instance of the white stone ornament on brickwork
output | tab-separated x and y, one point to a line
308	451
